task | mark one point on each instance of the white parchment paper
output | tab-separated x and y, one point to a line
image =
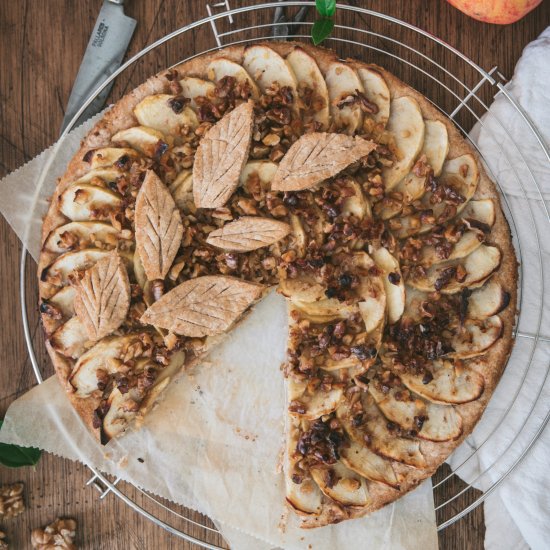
214	442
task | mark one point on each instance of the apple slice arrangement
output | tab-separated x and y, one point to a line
282	165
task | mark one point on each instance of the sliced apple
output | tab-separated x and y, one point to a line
436	144
182	192
304	497
58	272
356	205
300	237
478	265
481	210
469	241
192	87
373	311
410	225
429	420
165	113
413	301
175	363
324	311
476	337
111	156
222	67
349	489
63	300
412	187
488	300
310	298
146	140
122	410
376	90
359	458
70	338
386	210
393	283
104	355
106	174
407	128
83	201
309	76
435	148
316	404
462	174
86	233
302	289
386	442
342	82
269	69
372	292
264	169
368	464
446	382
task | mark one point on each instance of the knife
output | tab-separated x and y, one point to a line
106	48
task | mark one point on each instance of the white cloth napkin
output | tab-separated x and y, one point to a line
517	513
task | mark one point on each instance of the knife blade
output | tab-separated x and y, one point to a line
104	53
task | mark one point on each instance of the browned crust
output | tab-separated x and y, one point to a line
120	117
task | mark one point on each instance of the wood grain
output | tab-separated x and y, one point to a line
41	45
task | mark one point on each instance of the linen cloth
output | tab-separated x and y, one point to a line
517	514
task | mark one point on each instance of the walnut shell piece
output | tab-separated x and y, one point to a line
317	156
159	228
221	156
11	500
248	233
203	306
59	534
103	296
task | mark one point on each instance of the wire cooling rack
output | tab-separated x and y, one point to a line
463	95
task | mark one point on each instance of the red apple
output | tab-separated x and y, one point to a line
500	12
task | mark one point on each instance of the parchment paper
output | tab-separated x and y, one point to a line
214	442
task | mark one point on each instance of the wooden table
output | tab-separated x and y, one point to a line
41	45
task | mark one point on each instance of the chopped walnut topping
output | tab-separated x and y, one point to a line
322	442
11	500
59	534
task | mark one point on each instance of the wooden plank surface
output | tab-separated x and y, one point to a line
41	47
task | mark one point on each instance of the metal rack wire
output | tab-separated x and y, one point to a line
463	99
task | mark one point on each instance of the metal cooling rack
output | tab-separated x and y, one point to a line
464	99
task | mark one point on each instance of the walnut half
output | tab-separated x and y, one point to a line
59	534
11	500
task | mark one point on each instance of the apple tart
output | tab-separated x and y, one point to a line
278	164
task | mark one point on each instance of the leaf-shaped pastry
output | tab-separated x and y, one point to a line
316	157
248	233
203	306
221	156
102	296
158	227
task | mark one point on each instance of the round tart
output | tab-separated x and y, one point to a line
279	164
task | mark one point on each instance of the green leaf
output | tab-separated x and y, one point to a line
327	8
321	30
13	456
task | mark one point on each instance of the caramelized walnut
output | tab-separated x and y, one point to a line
59	534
